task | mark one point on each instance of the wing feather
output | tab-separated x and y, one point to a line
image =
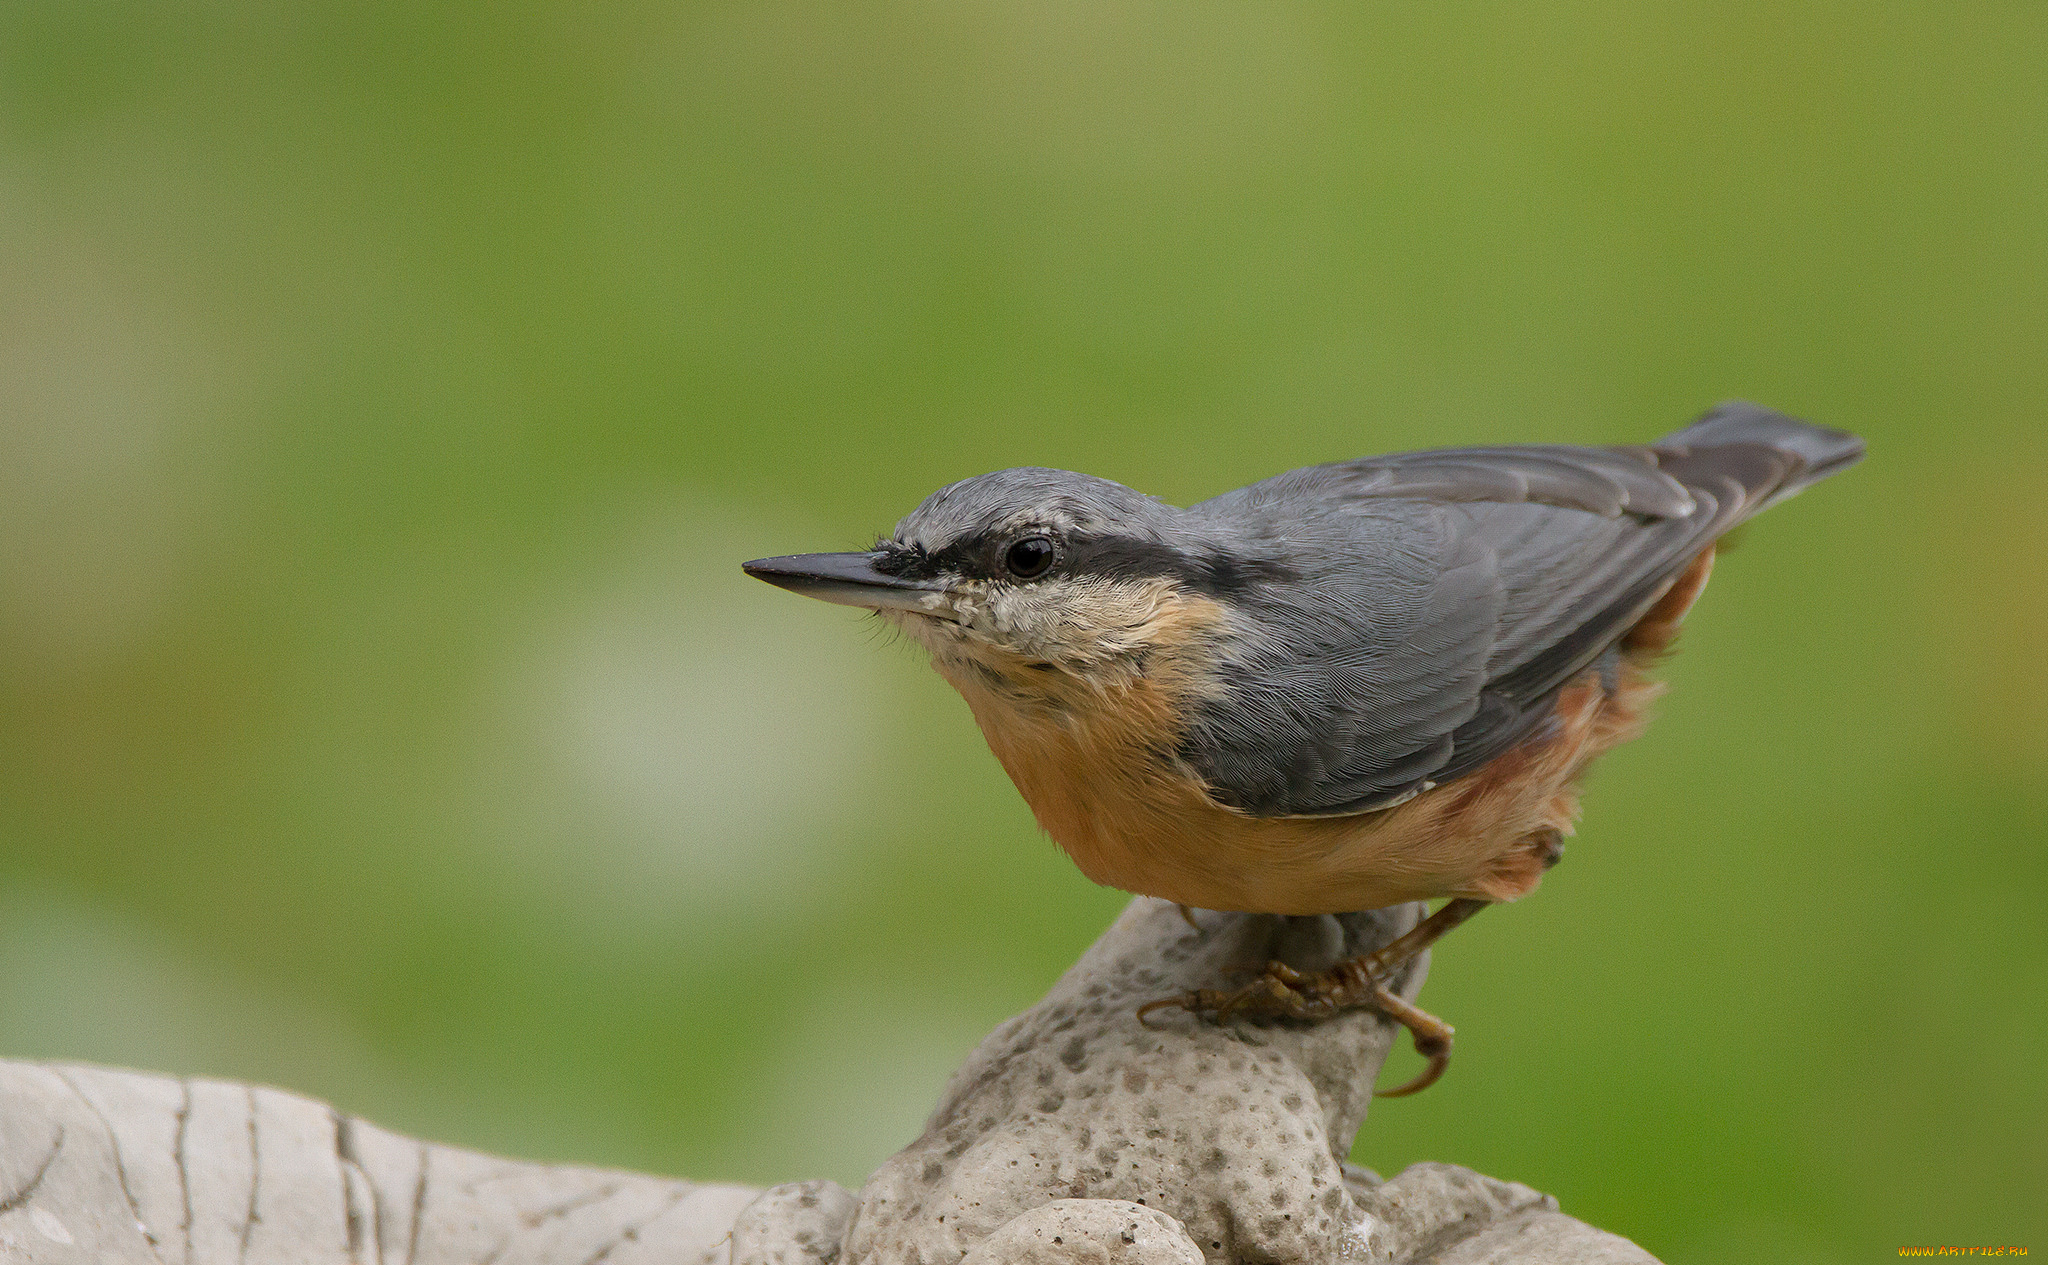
1441	599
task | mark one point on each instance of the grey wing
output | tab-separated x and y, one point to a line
1445	597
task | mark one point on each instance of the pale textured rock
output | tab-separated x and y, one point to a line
1071	1135
1087	1232
1448	1215
1238	1132
801	1223
124	1168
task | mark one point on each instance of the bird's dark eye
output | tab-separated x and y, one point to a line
1029	557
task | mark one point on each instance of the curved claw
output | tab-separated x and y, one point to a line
1423	1080
1432	1041
1186	1001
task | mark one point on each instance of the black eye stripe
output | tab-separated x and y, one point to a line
1110	557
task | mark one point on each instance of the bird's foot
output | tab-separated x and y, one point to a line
1282	992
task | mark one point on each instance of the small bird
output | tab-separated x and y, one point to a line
1344	687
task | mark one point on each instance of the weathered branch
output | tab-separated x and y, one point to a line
1071	1135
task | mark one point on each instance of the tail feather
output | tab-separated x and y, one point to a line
1726	441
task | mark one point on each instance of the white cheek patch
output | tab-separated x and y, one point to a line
1040	620
1012	616
958	625
971	611
1084	625
1076	621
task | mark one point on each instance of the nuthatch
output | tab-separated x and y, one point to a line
1344	687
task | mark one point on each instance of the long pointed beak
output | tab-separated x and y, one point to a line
851	580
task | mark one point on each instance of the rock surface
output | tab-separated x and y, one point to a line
1238	1133
1090	1231
1071	1135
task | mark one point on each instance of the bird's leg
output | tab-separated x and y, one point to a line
1281	991
1419	937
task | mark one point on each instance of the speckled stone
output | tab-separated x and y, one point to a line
1087	1232
799	1223
1237	1132
1440	1214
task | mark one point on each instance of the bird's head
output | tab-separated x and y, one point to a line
1031	582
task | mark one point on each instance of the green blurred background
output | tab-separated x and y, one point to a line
389	391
